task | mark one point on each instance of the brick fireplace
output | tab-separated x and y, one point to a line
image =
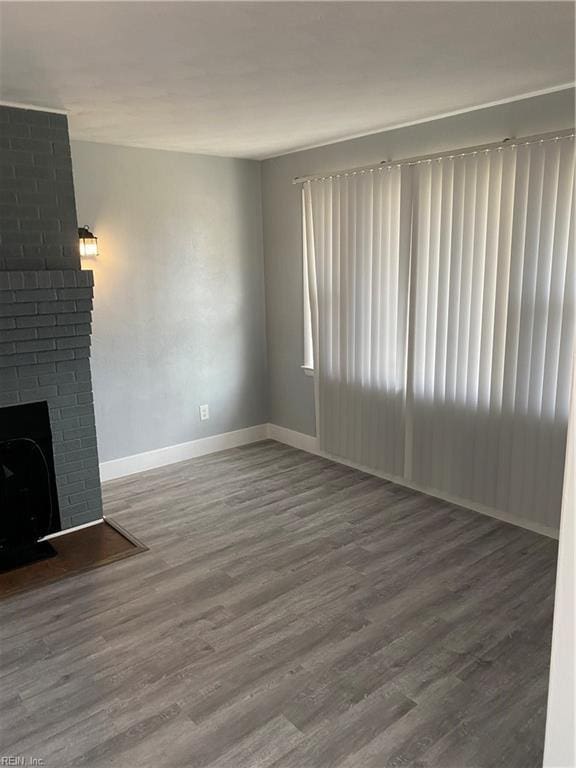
46	301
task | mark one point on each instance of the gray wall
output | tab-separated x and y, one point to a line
179	315
291	392
37	214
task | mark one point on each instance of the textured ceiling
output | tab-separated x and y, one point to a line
260	79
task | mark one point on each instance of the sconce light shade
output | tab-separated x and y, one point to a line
88	243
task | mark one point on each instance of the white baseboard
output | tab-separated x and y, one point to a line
307	443
310	444
71	530
140	462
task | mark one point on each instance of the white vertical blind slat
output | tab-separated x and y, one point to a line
442	299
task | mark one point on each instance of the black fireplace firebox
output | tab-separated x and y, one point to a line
28	496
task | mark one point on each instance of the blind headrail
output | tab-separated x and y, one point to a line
450	153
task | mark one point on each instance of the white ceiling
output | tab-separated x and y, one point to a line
260	79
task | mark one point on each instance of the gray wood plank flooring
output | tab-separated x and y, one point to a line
291	613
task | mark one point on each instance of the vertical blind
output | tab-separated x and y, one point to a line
442	309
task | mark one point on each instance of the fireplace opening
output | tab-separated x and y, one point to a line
28	495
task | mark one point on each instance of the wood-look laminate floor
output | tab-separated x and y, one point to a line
290	613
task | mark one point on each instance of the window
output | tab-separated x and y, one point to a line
441	304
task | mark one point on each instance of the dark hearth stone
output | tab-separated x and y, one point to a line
16	558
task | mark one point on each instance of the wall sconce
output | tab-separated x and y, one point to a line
88	242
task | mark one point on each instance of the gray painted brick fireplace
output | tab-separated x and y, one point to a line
46	301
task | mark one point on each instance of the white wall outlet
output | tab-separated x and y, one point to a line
204	413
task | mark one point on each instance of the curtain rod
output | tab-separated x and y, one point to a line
463	152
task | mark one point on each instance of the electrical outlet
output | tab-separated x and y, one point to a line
204	413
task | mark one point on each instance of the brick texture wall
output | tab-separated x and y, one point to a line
38	228
46	301
44	355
